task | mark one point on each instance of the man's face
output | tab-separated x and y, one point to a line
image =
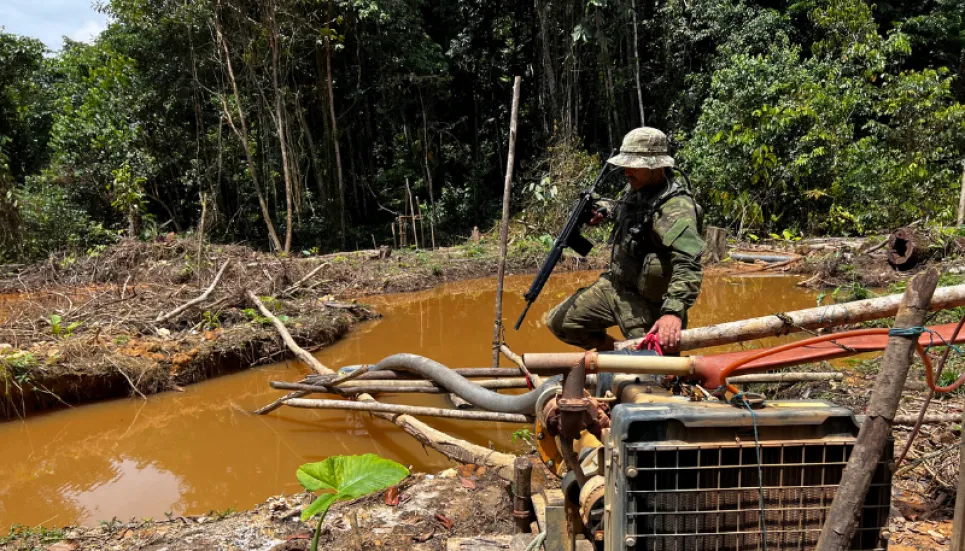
641	177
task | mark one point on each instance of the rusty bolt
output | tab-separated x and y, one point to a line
598	535
550	463
539	435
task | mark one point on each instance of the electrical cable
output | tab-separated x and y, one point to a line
760	472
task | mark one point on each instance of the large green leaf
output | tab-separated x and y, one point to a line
347	477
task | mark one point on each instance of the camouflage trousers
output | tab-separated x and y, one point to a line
582	319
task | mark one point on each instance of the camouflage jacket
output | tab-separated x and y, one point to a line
657	245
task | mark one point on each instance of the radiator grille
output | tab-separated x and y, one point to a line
706	496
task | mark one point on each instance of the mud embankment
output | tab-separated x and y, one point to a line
80	329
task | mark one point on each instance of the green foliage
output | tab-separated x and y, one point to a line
524	435
62	331
256	317
344	478
776	145
21	532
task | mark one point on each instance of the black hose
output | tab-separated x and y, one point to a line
463	387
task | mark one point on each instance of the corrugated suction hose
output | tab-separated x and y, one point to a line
463	387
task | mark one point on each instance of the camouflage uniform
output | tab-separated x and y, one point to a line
655	264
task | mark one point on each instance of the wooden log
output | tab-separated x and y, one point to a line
773	266
811	318
932	419
298	351
449	446
349	405
504	224
197	300
873	435
785	378
715	245
904	248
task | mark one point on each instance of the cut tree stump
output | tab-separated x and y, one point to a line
904	249
715	245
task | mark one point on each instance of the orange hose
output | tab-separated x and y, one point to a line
929	375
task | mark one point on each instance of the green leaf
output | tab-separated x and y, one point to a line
349	477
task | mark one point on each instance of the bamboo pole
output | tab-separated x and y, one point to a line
349	405
785	378
849	497
811	318
300	352
504	224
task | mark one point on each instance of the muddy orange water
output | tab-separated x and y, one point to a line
197	451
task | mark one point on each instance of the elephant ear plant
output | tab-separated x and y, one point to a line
345	478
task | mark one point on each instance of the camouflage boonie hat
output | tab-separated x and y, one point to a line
643	148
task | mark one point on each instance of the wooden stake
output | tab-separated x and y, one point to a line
958	524
504	225
850	495
522	488
300	352
395	241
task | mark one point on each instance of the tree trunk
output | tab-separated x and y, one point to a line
242	132
811	318
876	429
636	61
716	249
280	125
504	224
331	110
425	157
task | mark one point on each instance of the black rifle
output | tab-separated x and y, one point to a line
569	237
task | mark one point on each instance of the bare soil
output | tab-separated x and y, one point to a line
459	502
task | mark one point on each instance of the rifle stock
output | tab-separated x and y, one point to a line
569	237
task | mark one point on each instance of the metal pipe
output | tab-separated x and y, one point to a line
640	364
310	403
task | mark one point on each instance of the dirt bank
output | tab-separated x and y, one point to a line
78	329
460	502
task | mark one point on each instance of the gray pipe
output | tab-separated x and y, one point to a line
464	388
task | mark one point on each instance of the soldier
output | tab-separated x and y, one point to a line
655	271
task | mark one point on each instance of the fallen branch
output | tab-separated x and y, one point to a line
518	360
201	298
450	446
933	419
308	276
772	266
300	352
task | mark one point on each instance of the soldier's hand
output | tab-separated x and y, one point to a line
668	328
598	217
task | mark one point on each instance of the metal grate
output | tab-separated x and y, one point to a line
701	497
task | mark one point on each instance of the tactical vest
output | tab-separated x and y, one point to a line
638	261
